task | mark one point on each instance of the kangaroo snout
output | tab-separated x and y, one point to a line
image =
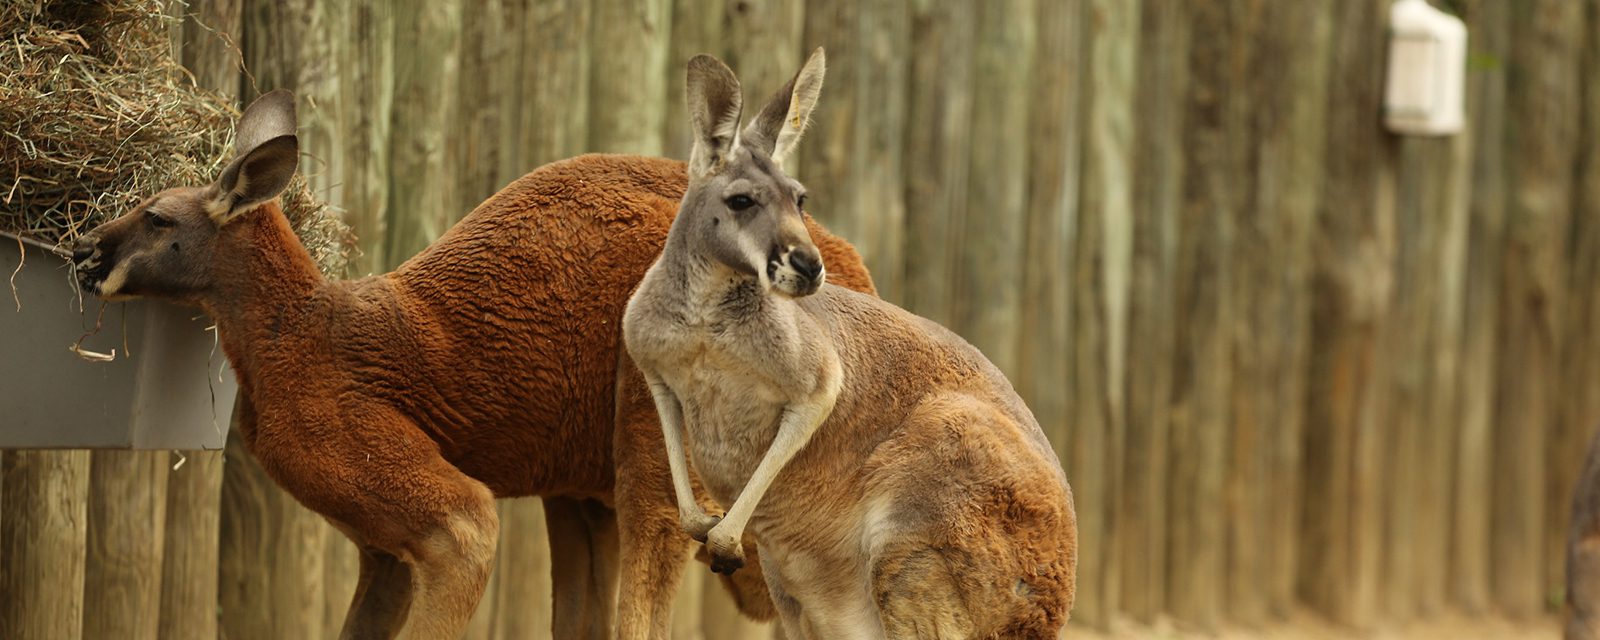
83	249
795	271
807	263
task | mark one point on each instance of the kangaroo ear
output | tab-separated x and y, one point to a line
267	154
714	109
270	116
777	129
253	178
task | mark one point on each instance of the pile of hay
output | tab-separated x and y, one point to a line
95	115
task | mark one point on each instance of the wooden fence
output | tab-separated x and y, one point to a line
1288	360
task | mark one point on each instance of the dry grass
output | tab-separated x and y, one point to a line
97	116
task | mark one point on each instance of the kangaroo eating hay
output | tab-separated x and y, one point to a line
896	483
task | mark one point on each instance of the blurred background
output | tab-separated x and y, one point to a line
1300	371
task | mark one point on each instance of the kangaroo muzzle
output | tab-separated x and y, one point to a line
796	271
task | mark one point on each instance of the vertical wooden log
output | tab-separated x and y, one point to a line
1099	282
1580	349
763	43
555	82
1199	549
188	598
937	149
43	513
628	43
1489	23
271	551
367	82
1054	167
491	46
1541	130
686	621
851	159
880	94
1443	414
1352	282
522	599
481	626
189	559
1407	344
990	272
1289	86
341	569
127	514
698	27
1157	192
426	57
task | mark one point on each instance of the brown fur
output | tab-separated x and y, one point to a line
897	484
487	366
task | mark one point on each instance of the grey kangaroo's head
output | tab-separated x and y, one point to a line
165	247
740	208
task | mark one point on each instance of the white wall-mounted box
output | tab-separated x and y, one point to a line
1424	89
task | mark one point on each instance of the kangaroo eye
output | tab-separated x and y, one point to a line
157	220
800	202
740	202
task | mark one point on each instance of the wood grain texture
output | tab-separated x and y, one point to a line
989	272
189	559
271	553
704	26
1100	297
1054	165
427	57
1289	82
1352	285
43	531
937	145
367	80
522	569
554	94
1470	574
628	43
852	156
1580	371
127	520
1142	512
1213	199
1543	91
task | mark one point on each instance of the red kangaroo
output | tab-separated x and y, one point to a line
400	406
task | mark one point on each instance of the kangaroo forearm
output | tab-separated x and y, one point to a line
671	414
794	430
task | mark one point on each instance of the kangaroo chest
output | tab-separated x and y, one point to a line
730	412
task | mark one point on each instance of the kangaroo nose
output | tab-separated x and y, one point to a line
808	264
82	249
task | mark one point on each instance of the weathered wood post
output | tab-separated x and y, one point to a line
1289	86
43	513
127	515
1351	281
1489	23
1541	151
1100	302
1141	506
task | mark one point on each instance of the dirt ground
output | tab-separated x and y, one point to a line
1310	627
